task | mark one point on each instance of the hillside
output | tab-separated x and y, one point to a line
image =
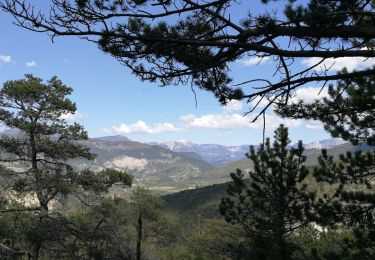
221	174
151	165
202	201
167	171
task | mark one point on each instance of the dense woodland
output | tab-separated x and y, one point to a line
281	209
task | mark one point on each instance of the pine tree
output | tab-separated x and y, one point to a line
43	147
353	201
274	202
349	113
45	142
147	208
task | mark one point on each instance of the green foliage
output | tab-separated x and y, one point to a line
114	176
334	244
348	113
325	13
353	201
102	180
215	239
44	148
45	141
111	229
145	203
99	232
274	203
201	201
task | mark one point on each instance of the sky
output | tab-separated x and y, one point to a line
112	101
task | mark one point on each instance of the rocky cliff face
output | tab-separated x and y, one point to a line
150	165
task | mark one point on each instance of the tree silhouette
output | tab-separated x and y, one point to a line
180	41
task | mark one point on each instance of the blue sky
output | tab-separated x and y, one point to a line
110	100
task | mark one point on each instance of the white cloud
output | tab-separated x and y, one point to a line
309	94
259	102
254	60
306	94
73	117
233	106
215	121
312	124
229	121
142	127
5	58
337	64
31	63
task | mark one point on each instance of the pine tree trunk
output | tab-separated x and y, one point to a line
36	251
42	203
281	243
139	236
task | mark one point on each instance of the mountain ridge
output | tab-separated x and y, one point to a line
220	155
167	171
113	138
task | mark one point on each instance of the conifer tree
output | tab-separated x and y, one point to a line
43	147
349	203
349	113
353	201
274	202
147	208
44	141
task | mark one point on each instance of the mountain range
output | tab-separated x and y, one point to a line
219	155
325	144
151	165
215	154
173	166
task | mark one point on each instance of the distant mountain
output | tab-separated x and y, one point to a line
215	154
221	174
364	148
203	199
114	138
151	165
325	144
11	132
219	155
174	166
